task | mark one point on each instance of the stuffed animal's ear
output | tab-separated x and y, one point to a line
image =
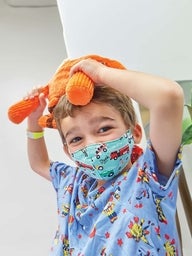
20	110
79	89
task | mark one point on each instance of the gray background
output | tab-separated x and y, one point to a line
31	48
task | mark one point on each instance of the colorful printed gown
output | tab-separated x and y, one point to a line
131	215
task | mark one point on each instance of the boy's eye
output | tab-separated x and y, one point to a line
104	129
75	140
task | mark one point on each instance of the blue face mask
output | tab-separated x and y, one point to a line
104	161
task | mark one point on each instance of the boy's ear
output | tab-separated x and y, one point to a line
137	133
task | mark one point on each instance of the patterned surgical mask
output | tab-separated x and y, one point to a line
106	160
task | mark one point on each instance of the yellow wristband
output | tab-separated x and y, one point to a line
35	135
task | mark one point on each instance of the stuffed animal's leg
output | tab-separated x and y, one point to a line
20	110
79	89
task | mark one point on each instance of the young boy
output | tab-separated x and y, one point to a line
110	205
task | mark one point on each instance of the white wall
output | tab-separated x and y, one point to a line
152	36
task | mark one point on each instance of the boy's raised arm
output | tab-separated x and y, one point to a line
36	148
164	99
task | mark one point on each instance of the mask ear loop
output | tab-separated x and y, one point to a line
136	153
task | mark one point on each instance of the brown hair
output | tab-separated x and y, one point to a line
102	94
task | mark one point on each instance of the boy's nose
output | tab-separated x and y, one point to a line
91	140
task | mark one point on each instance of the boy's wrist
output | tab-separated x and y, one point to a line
35	135
33	125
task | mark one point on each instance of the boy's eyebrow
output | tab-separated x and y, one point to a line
100	119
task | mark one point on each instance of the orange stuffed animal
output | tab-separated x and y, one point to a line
78	89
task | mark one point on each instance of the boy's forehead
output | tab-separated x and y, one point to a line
95	108
96	111
91	114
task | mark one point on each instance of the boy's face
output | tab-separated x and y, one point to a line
91	124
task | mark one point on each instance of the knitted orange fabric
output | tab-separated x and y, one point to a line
78	89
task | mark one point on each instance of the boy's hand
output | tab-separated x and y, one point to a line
38	112
91	68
